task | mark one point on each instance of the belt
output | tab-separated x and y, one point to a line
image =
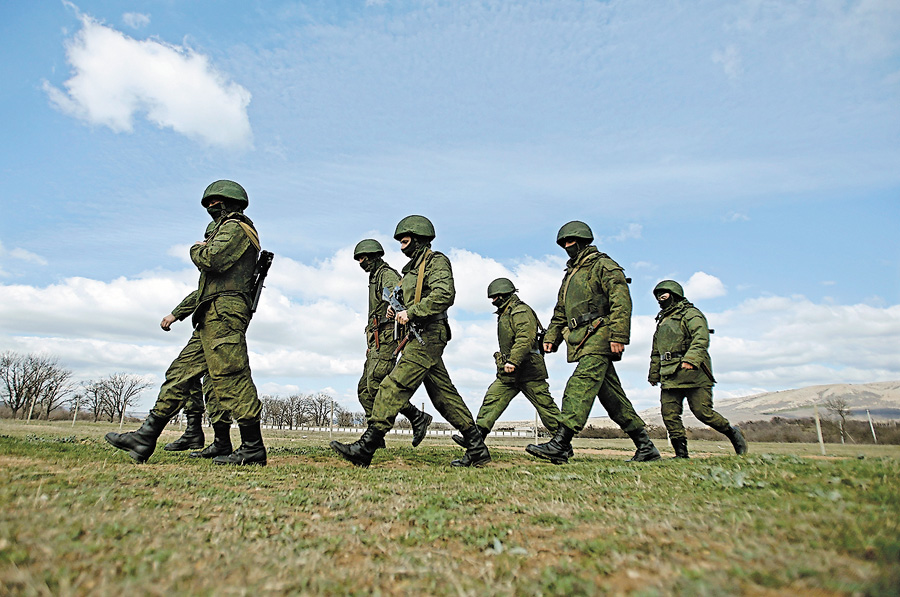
670	356
583	319
432	318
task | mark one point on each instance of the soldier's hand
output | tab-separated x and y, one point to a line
509	368
686	365
548	347
617	347
200	242
167	321
402	317
390	313
653	383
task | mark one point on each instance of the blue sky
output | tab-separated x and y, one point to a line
750	150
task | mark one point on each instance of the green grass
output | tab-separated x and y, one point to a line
79	518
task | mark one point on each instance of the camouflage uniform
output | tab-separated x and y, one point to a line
424	364
682	336
517	329
380	342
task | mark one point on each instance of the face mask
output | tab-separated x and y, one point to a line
368	264
667	302
216	211
498	301
573	250
410	249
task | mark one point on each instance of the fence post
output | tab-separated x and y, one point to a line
871	426
819	430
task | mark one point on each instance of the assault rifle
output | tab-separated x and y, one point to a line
394	298
262	270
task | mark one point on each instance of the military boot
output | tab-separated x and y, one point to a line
361	451
140	444
477	453
557	450
737	439
679	444
461	441
420	420
251	450
192	438
646	451
221	445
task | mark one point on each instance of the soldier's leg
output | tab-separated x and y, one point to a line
193	437
214	409
622	412
225	347
671	406
701	404
581	390
538	393
396	389
446	398
220	419
366	398
496	399
616	403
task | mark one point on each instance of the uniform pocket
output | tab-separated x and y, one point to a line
227	355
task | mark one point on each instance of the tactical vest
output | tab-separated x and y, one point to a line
532	366
237	279
583	299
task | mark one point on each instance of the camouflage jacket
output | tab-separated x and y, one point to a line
593	289
682	335
517	330
438	291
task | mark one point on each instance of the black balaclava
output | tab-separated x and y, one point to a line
413	246
574	250
369	263
671	300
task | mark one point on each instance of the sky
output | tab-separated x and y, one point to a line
748	149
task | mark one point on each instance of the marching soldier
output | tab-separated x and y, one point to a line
218	346
593	316
381	346
427	291
520	362
680	363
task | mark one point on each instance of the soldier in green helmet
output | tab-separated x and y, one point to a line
380	342
427	292
680	363
593	317
220	312
520	362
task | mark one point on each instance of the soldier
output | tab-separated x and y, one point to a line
380	342
427	292
593	316
520	362
218	346
680	361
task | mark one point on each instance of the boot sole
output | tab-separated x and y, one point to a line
542	456
242	463
169	448
137	458
415	442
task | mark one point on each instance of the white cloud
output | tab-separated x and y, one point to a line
703	286
19	254
730	61
136	20
629	232
115	77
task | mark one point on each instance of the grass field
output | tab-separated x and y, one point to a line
79	518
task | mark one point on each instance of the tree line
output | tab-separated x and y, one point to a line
307	410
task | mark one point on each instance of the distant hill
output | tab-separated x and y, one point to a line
882	399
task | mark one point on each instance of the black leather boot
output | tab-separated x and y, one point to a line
251	450
646	451
420	420
737	439
361	451
221	445
139	444
461	441
477	453
191	439
557	450
679	444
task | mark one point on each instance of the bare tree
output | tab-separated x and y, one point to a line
34	380
93	399
120	391
342	416
839	407
318	409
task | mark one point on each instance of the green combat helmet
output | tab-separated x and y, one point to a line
415	226
225	189
670	286
500	286
368	246
574	229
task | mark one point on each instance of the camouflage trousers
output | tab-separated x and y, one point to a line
217	350
421	365
195	404
595	377
501	392
701	404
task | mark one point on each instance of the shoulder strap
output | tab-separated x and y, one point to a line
248	229
420	279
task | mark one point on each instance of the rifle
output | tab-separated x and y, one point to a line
262	270
393	297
